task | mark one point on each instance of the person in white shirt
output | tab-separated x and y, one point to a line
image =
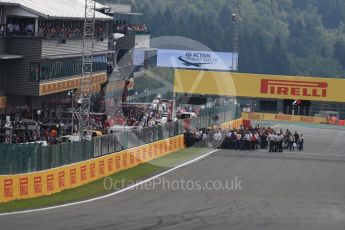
218	137
271	141
29	28
198	135
238	144
2	30
10	27
275	148
247	139
301	143
16	27
280	139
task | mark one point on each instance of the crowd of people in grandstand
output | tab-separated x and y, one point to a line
246	139
142	118
188	108
17	28
50	135
27	131
68	30
141	114
51	29
124	27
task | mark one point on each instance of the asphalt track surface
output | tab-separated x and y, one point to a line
278	191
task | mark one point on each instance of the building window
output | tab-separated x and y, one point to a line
69	67
35	70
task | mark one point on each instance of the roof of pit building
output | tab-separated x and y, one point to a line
56	9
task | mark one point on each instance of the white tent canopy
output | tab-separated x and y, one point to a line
56	9
16	11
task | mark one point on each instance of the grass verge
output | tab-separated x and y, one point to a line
96	188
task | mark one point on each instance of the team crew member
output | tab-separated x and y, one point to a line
271	141
245	139
217	137
280	139
290	142
296	137
301	143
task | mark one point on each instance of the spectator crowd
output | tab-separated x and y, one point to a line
136	116
51	29
246	139
17	28
68	30
30	131
49	134
124	27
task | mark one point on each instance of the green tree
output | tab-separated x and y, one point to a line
278	62
301	37
339	52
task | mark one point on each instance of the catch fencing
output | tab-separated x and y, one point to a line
25	158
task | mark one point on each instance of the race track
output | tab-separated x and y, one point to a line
278	191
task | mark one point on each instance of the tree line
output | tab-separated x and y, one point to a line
277	36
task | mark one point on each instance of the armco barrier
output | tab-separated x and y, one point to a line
25	186
283	117
235	124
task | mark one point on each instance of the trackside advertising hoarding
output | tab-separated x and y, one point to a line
284	117
186	59
259	86
44	183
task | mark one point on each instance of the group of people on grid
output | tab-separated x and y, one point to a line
245	139
278	141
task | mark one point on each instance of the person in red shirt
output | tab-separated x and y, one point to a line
53	135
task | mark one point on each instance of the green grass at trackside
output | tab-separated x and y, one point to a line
96	188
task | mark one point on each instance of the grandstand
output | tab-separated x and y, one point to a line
41	57
41	48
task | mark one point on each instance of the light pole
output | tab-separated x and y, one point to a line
71	94
236	20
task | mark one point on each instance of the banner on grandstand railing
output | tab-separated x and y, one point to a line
205	60
284	117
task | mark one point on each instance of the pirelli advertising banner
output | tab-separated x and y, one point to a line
43	183
284	117
259	86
